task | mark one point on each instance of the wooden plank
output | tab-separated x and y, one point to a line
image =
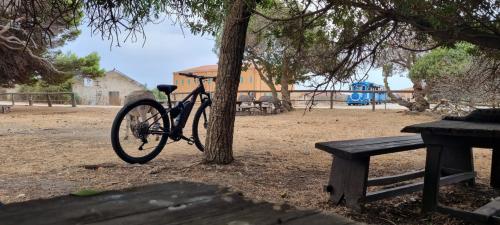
376	146
363	148
456	128
410	188
380	181
171	203
465	215
495	167
111	204
490	209
375	140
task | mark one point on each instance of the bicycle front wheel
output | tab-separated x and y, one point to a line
140	131
200	125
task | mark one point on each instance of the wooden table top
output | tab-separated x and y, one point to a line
456	128
169	203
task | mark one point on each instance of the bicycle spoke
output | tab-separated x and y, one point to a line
141	124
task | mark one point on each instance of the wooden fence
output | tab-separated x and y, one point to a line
332	96
36	97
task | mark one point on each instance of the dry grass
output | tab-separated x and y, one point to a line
43	153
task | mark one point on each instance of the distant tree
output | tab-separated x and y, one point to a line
70	65
158	94
286	52
461	74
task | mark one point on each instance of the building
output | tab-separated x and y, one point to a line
407	96
109	89
249	80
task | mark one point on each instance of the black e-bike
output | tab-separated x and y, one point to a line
142	128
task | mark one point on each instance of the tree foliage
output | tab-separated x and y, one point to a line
70	65
444	61
360	29
28	30
279	50
461	74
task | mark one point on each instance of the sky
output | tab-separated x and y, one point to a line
167	49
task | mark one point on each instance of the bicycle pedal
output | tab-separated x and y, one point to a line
190	142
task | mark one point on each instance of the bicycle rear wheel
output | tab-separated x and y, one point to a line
140	131
200	125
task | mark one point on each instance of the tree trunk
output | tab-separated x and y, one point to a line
268	80
285	79
420	103
219	142
393	97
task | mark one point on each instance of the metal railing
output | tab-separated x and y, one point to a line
50	98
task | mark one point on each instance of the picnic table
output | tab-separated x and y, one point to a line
168	203
453	139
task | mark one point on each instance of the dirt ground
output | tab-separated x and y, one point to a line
46	152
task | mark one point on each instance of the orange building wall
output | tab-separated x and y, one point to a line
249	80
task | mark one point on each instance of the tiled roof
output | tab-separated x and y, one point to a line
205	68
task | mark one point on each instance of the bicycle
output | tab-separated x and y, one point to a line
152	125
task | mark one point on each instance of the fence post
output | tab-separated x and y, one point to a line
30	100
12	98
49	101
373	101
331	100
73	100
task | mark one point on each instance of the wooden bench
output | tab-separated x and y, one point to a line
4	108
268	104
244	103
349	173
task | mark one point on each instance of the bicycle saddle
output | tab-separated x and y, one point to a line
167	88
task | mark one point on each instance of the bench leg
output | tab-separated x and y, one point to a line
348	181
495	168
458	160
432	176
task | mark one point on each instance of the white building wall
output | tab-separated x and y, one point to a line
97	93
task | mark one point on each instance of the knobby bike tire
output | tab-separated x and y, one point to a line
196	139
115	130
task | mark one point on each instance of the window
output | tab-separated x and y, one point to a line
241	79
209	81
87	82
176	82
182	82
250	80
189	82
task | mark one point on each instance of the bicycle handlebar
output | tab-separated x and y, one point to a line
196	76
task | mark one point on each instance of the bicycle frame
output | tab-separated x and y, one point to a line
176	129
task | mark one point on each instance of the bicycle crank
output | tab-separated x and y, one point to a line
190	141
